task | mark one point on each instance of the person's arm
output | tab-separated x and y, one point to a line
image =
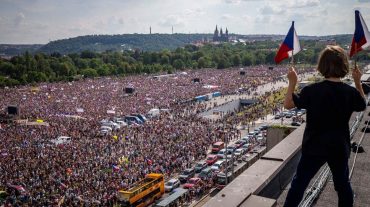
356	75
292	77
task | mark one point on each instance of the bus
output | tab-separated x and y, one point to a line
177	198
143	192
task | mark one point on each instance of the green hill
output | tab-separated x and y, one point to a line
143	42
101	43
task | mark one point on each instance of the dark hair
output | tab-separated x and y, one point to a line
333	62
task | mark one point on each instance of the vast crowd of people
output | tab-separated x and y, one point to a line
92	168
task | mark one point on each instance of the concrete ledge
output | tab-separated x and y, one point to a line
258	201
254	180
288	147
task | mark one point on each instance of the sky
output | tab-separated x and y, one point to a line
41	21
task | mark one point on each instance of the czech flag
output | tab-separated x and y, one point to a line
361	38
289	47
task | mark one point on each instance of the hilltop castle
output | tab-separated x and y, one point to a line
220	37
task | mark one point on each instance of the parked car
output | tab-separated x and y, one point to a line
289	115
218	166
232	148
256	131
211	159
247	138
251	133
239	152
193	183
239	143
206	173
259	137
221	154
263	127
277	116
295	123
284	112
247	146
186	175
171	184
200	166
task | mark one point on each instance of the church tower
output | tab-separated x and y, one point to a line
215	35
226	35
222	35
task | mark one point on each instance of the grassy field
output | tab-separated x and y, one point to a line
265	106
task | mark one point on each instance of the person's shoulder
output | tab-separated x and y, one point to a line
349	87
313	86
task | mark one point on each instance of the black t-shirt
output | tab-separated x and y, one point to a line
329	107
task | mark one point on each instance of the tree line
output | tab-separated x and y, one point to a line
40	67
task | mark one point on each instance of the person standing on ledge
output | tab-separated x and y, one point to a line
326	138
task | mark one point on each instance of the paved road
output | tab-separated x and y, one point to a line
260	90
222	105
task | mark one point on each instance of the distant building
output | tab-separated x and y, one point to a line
326	42
220	36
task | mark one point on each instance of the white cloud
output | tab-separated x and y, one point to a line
194	12
227	16
304	3
269	10
316	13
172	20
239	1
232	1
19	19
263	19
247	19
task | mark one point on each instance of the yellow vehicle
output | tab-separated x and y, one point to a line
144	192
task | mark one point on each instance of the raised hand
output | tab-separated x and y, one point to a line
356	74
292	76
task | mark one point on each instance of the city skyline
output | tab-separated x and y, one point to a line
41	21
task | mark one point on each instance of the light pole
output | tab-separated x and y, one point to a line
226	141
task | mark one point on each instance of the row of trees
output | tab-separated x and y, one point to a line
40	67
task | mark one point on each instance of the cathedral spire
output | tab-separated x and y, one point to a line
215	35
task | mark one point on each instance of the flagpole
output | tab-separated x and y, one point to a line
355	58
355	61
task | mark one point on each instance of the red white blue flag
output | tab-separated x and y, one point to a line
289	47
361	37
